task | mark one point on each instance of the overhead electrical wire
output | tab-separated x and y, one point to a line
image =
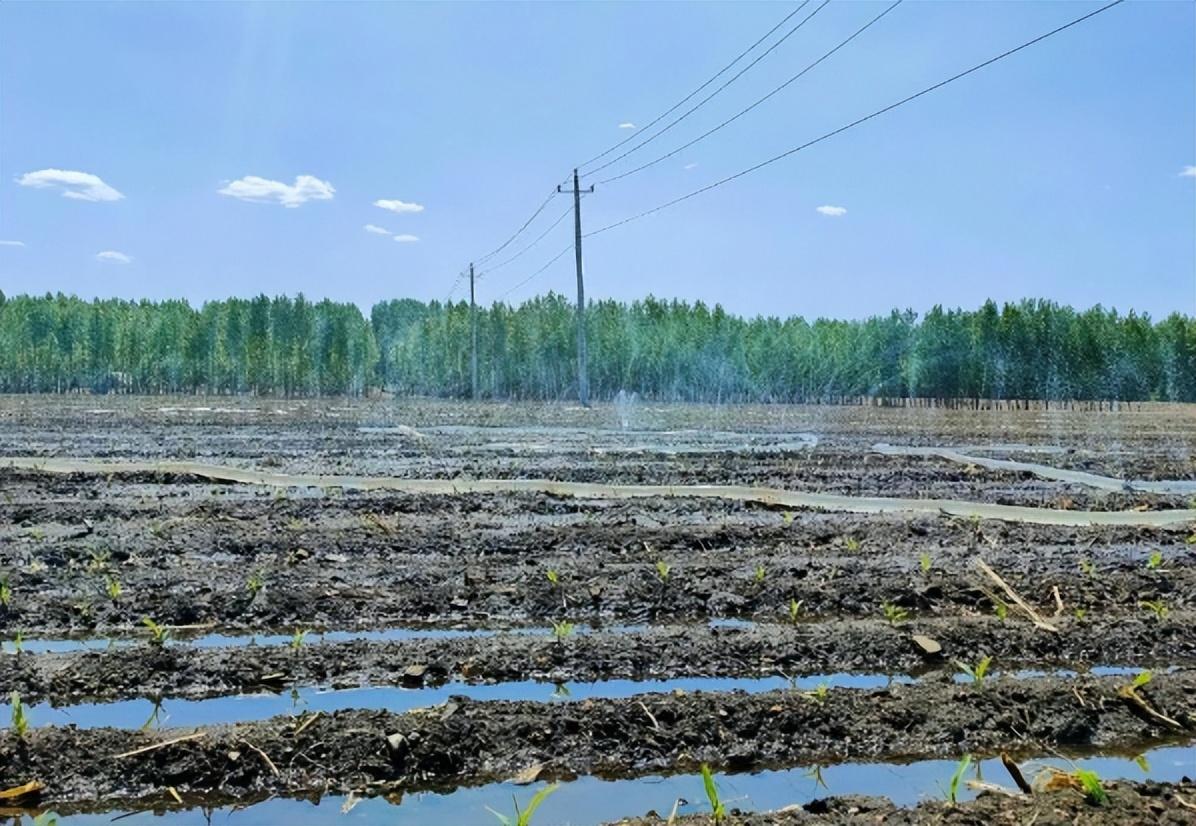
743	112
856	122
548	264
519	254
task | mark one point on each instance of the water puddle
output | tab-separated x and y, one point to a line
589	801
244	708
736	493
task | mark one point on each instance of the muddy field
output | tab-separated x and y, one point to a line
415	611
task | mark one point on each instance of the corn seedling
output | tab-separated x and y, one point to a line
1090	782
787	517
977	672
760	574
112	588
159	634
298	638
524	817
794	610
553	577
851	543
37	533
1142	679
952	791
815	774
1157	606
99	561
46	819
894	613
5	592
155	717
561	630
1191	540
1142	763
818	695
20	723
663	570
1087	568
560	691
1155	561
1080	613
924	562
255	583
717	810
1002	610
18	642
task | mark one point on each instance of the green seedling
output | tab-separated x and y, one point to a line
1094	790
924	562
1155	561
159	634
1002	610
553	577
815	774
977	672
952	791
818	695
112	588
794	610
1191	540
717	810
1142	679
37	533
851	543
1087	568
155	717
562	630
663	570
787	517
46	819
20	723
298	638
255	583
1142	763
1157	606
99	561
5	592
560	691
760	574
1080	613
18	642
894	613
524	817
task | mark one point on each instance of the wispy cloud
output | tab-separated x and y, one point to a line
832	211
113	255
626	125
395	205
690	166
377	230
264	191
80	186
1188	172
406	239
12	243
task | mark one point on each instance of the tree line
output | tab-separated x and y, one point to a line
667	350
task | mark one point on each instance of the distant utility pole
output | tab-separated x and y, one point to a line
583	379
473	323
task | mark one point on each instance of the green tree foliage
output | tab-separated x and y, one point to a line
667	350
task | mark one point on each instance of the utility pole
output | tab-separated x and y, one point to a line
473	323
583	379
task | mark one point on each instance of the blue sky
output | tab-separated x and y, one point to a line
1056	173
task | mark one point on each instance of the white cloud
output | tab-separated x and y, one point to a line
406	239
80	186
627	125
262	191
113	255
398	206
12	243
690	166
376	229
1189	172
832	211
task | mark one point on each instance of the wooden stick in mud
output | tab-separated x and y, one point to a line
1016	773
1135	701
186	738
1034	616
262	754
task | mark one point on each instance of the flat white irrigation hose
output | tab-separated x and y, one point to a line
586	490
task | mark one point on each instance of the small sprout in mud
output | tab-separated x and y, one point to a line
794	610
1142	763
1080	613
787	517
1159	608
298	638
718	811
99	562
977	672
818	695
1002	610
553	577
255	583
18	642
158	530
1191	540
851	543
1090	782
815	774
894	613
663	569
1087	568
560	691
1142	679
524	817
20	723
562	630
155	717
5	592
760	574
1155	561
37	533
46	819
952	791
112	588
924	562
159	634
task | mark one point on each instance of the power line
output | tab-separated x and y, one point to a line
857	122
526	224
686	99
706	99
550	262
519	254
743	112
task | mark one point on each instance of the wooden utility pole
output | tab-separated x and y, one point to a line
583	379
473	323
